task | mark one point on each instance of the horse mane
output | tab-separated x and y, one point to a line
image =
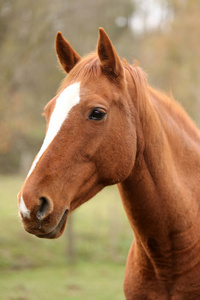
176	111
89	66
161	99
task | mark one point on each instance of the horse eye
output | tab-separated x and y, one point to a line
97	114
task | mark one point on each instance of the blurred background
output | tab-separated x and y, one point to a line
88	261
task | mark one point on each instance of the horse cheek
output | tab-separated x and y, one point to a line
119	160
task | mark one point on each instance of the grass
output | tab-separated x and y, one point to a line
82	281
32	268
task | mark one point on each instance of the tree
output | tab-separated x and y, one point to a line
170	54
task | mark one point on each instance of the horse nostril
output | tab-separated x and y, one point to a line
44	209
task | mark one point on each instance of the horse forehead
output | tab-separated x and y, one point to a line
65	101
69	95
98	89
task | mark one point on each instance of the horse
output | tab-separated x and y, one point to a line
107	126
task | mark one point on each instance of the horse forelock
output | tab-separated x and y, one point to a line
86	69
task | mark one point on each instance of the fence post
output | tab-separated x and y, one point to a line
70	239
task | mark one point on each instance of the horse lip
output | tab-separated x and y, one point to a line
58	228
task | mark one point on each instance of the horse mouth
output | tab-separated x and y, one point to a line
58	230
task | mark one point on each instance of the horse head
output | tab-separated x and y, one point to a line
90	139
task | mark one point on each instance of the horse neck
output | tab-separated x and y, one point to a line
160	195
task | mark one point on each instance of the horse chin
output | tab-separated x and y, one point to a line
58	230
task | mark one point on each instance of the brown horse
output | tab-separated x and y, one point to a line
108	126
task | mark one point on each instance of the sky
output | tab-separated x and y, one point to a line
150	15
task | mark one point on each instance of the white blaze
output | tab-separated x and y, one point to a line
64	103
23	210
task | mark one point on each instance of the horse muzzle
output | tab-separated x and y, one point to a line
42	220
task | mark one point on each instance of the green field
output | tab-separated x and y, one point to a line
32	268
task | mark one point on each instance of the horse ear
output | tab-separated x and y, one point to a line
110	61
66	55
